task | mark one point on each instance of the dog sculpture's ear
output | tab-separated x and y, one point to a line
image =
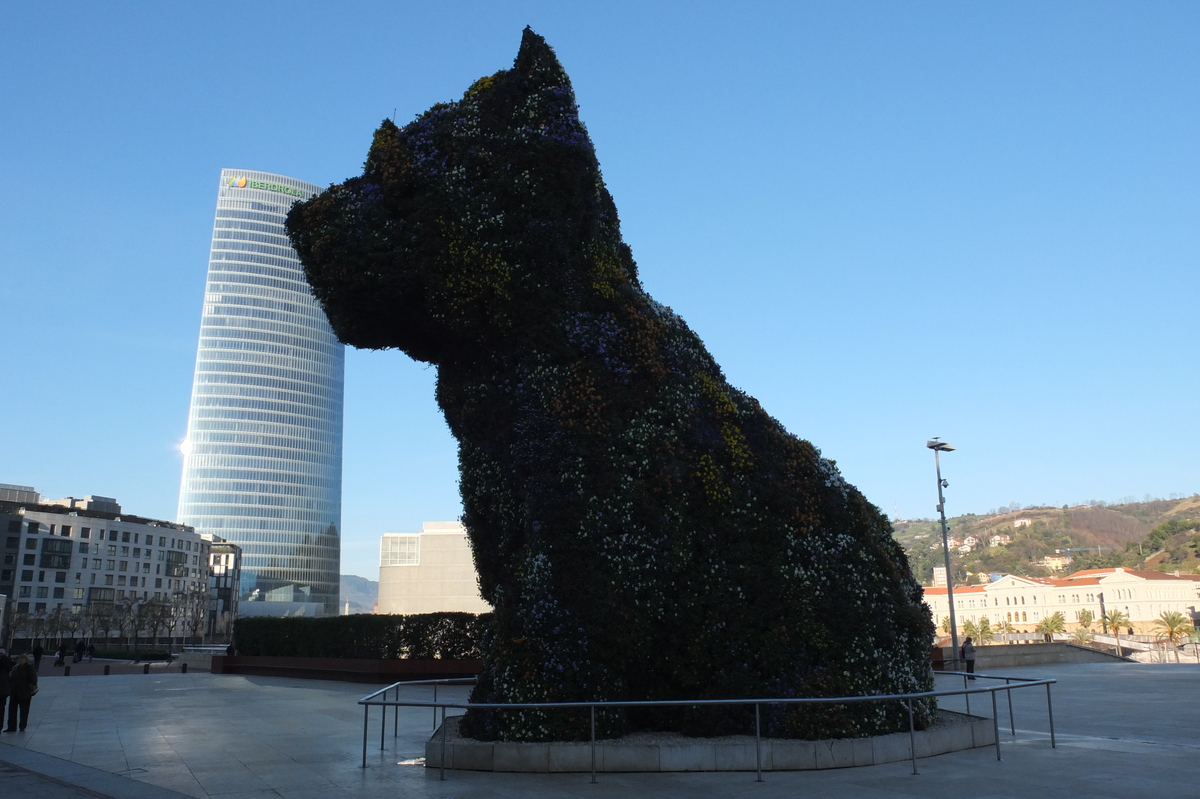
536	59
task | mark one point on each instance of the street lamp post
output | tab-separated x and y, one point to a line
937	446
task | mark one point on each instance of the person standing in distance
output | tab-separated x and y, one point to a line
967	653
24	684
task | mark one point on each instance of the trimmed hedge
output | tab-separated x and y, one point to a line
453	636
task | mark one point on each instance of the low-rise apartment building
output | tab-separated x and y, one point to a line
63	556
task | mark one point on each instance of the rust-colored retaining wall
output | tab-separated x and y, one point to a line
346	669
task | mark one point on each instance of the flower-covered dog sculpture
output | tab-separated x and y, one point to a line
642	529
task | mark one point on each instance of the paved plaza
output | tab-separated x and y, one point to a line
1124	730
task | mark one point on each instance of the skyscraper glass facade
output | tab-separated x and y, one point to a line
263	453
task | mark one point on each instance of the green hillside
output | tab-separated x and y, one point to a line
1157	534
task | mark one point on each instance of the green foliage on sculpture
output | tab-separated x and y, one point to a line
642	529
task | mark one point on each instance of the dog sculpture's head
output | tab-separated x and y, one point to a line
480	212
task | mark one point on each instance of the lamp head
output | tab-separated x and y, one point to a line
939	445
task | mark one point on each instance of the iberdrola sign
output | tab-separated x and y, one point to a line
244	183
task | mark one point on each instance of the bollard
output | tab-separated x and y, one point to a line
183	669
146	668
106	669
67	671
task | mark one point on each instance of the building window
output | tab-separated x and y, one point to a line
6	575
10	559
157	583
27	575
112	550
83	547
78	578
112	535
30	560
66	531
24	590
110	565
14	525
108	579
58	593
123	566
12	542
31	543
95	563
91	579
34	528
137	552
124	552
60	577
85	532
121	580
404	550
39	607
77	593
125	536
42	592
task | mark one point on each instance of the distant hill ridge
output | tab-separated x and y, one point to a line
1159	534
361	593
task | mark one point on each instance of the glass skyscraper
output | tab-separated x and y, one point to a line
263	454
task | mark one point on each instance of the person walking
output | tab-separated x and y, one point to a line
6	664
37	656
60	657
24	684
91	652
967	653
79	650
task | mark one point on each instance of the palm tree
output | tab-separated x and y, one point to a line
1173	628
970	630
946	624
1082	636
1052	624
984	628
1006	628
1113	621
1085	620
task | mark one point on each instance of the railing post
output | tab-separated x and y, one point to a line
995	723
967	696
435	687
443	741
593	709
757	742
366	713
383	721
1050	713
912	737
1012	724
396	714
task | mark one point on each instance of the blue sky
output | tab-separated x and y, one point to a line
887	221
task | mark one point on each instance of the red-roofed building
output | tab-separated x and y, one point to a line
1024	601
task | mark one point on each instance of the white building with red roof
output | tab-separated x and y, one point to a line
1024	601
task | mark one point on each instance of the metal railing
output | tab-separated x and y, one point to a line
379	698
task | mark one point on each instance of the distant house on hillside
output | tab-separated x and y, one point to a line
1001	540
1055	563
1019	523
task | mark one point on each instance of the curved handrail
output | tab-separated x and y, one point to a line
1010	684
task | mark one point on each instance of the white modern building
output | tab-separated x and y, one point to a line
263	453
432	571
